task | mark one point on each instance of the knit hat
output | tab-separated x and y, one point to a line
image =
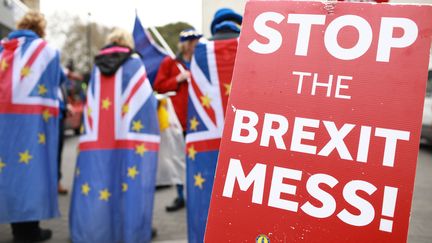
226	19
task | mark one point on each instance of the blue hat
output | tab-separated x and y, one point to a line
226	18
189	34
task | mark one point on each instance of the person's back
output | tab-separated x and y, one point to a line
112	199
29	107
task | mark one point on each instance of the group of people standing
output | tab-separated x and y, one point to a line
113	194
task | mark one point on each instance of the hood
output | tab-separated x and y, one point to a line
11	42
110	59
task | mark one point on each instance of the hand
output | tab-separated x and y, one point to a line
70	110
183	77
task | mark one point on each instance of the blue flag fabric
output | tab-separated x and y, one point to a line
151	54
211	69
114	184
29	107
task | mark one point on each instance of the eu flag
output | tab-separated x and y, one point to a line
29	107
211	68
151	54
115	175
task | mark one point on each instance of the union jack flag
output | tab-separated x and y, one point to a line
116	170
30	76
117	105
26	68
211	68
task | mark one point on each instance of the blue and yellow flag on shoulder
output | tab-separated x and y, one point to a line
115	175
211	68
30	75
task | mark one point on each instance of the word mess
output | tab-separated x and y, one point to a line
257	177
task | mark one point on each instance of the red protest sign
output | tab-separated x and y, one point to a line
322	132
365	1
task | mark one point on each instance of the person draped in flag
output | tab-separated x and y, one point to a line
212	67
171	78
113	192
30	75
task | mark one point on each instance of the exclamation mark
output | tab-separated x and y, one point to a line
388	208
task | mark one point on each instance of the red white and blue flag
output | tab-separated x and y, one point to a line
211	68
115	175
151	54
30	75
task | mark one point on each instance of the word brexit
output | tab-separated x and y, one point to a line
275	126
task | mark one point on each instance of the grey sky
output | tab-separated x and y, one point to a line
121	13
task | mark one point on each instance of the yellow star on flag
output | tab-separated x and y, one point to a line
46	115
194	124
42	90
81	129
89	111
132	172
192	152
85	189
25	157
227	89
2	165
140	149
25	71
41	138
137	126
199	180
125	108
125	187
106	103
104	195
3	65
205	101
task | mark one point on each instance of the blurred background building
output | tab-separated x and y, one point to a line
11	11
209	7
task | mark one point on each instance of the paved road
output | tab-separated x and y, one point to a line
172	227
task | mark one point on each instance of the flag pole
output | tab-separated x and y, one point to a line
162	41
166	47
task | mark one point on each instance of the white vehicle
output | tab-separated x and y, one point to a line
427	113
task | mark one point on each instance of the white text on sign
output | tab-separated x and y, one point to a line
257	177
306	22
275	127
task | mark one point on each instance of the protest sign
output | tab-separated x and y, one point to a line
323	124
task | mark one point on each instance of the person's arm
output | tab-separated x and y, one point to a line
167	80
